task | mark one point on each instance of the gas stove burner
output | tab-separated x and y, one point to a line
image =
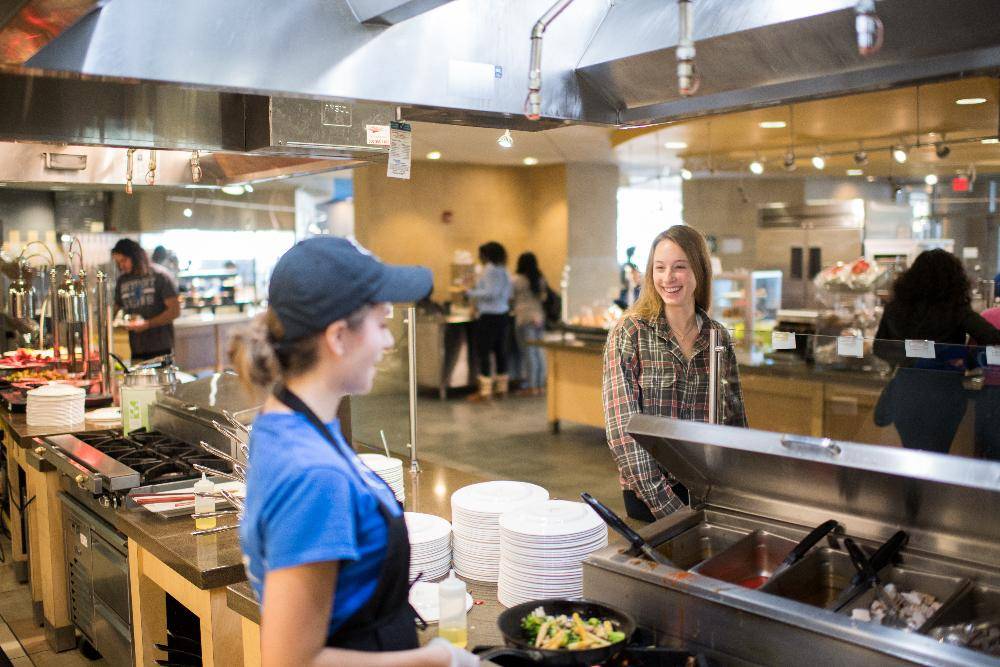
138	457
175	450
150	438
167	471
111	444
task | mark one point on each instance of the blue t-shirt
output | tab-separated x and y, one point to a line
307	503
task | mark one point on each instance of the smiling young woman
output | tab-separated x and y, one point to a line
656	362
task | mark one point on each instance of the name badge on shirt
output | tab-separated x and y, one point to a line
919	349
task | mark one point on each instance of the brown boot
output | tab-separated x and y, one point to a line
501	386
485	391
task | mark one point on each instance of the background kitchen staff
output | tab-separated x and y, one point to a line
656	362
324	540
147	290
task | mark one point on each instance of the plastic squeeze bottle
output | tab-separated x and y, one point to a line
451	605
204	505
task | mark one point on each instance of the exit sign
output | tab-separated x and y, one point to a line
960	184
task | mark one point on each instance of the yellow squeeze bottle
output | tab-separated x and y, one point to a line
451	605
202	504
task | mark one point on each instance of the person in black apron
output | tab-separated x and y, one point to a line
324	540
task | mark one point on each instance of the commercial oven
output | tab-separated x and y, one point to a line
98	579
750	486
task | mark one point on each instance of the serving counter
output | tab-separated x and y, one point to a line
200	340
786	395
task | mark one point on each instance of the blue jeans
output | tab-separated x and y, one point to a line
532	356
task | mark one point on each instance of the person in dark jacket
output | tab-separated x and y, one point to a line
931	301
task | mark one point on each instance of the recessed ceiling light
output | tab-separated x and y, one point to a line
675	145
967	101
686	174
757	167
991	140
434	155
855	172
188	213
772	124
819	162
931	179
900	154
530	161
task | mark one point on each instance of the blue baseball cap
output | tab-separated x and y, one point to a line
325	278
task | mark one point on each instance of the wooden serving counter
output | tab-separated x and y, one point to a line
787	396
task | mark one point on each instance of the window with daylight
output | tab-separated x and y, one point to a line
644	210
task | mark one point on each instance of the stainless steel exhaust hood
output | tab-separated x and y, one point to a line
466	61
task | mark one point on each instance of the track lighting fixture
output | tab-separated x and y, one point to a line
505	140
861	158
942	150
818	161
757	167
900	153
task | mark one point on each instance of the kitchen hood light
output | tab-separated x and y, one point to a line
991	140
686	174
234	190
434	155
969	101
675	145
789	162
861	158
900	154
855	172
818	161
505	140
530	161
931	179
188	213
757	167
772	125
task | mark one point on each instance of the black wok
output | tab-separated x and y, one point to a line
518	645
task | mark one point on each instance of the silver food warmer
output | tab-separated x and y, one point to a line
761	487
205	410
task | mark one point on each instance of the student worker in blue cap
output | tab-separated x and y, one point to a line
323	537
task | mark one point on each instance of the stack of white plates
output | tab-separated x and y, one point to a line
430	546
475	515
389	469
542	547
56	405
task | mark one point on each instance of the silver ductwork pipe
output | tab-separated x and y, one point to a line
533	105
687	78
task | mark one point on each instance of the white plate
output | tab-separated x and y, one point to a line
378	462
551	518
110	414
424	528
497	497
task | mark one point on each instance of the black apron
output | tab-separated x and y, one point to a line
386	622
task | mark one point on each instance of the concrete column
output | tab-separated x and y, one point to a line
592	197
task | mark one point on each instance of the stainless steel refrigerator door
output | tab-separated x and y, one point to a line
785	250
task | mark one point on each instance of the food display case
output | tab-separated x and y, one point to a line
747	302
754	495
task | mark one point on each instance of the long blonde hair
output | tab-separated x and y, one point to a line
649	305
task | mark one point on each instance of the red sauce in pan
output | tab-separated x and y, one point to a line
753	582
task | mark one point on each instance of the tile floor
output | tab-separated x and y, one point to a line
507	439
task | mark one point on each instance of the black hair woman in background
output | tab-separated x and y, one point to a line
146	292
930	301
492	294
529	322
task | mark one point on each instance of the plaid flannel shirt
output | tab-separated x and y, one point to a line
646	372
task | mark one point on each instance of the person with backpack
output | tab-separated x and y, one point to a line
530	290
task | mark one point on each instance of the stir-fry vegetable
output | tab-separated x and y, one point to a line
569	632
